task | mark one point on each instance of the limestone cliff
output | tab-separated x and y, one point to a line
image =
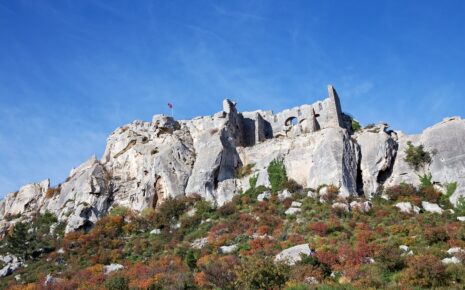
146	162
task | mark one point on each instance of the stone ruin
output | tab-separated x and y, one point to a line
147	162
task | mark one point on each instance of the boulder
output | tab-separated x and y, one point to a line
406	207
312	194
228	249
199	243
431	207
107	269
11	263
284	194
453	260
455	250
292	211
292	255
155	232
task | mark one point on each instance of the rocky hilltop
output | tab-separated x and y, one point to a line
146	162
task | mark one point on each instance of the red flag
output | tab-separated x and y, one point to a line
170	105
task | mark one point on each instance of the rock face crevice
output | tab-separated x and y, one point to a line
147	162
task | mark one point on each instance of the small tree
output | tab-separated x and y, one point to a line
19	242
277	175
416	156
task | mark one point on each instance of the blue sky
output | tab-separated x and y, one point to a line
73	71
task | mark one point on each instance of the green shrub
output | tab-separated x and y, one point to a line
117	282
356	125
169	211
277	175
258	272
416	156
204	209
426	180
119	211
253	181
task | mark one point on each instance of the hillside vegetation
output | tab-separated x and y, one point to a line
188	244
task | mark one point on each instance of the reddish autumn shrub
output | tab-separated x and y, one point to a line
319	228
296	239
217	272
263	230
403	190
227	209
390	257
435	234
328	258
287	202
301	273
425	271
265	246
430	194
167	272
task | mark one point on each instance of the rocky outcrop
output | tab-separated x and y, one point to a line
378	151
445	141
147	162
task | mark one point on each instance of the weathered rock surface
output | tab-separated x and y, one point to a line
292	255
431	207
147	162
378	151
446	141
11	263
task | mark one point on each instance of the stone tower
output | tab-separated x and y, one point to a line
335	107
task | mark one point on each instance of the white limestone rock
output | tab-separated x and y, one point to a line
404	248
407	207
228	249
312	194
284	194
107	269
461	218
155	232
292	211
431	207
199	243
11	264
453	260
446	141
291	255
378	151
